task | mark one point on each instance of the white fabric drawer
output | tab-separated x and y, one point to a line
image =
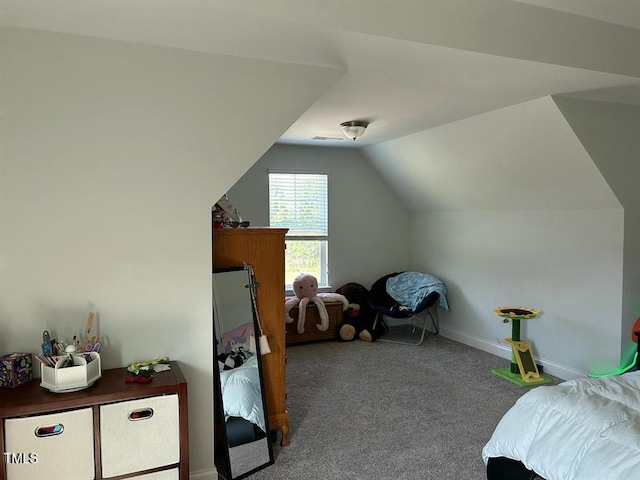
139	434
62	443
172	474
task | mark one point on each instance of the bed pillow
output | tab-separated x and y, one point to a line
233	359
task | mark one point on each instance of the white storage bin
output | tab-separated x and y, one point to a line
139	434
70	379
62	444
172	474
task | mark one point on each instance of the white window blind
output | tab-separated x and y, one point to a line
298	201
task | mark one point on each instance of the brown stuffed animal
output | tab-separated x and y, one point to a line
359	318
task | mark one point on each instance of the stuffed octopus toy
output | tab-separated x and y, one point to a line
305	286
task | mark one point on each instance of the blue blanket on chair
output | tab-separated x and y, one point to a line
410	288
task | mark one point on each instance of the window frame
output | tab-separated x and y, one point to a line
323	279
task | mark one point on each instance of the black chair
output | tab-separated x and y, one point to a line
385	305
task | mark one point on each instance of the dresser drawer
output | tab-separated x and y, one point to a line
139	434
172	474
59	444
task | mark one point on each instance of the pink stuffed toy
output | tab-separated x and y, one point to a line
305	286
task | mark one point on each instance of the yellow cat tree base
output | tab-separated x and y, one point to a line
523	370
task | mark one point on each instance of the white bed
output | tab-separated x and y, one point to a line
241	395
584	429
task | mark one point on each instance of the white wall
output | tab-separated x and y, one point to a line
509	208
113	155
609	133
565	263
369	228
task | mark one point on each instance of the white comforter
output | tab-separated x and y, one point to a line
241	394
585	429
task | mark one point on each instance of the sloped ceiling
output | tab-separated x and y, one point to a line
64	80
622	12
411	64
609	133
524	157
423	72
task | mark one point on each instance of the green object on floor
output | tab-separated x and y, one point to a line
620	371
517	378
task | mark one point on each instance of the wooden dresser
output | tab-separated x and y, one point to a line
312	317
263	248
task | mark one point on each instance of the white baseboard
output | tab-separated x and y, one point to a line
204	475
552	368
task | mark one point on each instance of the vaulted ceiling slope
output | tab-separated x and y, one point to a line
609	134
411	65
622	12
523	157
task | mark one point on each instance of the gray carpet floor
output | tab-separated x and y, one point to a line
378	410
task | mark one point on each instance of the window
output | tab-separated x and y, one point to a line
299	202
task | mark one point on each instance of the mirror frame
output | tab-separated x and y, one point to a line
221	447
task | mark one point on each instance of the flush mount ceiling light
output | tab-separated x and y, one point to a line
354	129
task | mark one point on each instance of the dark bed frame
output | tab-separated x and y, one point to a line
241	431
503	468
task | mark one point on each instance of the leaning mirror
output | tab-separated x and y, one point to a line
241	440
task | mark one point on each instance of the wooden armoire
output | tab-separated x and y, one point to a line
263	248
